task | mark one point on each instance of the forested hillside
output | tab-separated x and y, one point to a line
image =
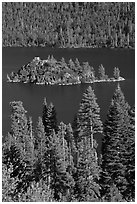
62	24
59	162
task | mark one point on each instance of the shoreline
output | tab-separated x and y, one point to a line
67	84
71	47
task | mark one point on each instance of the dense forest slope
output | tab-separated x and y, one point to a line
59	162
62	24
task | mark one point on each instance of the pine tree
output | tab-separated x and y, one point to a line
87	175
87	124
49	118
30	142
64	65
9	184
52	120
78	67
76	133
12	161
89	109
61	181
15	153
130	160
37	192
114	145
12	157
115	195
19	124
72	65
20	152
71	145
44	115
101	71
67	146
63	144
40	137
30	156
87	71
116	73
42	148
75	127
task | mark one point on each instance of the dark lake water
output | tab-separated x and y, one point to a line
65	98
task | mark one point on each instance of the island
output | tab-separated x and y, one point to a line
51	72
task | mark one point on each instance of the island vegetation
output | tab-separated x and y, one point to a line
59	162
68	24
53	72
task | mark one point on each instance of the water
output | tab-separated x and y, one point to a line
65	98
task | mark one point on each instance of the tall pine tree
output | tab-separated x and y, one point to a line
87	124
87	174
61	182
89	111
130	159
41	148
20	151
71	144
115	152
49	118
44	115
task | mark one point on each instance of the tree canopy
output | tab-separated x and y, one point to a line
60	162
68	24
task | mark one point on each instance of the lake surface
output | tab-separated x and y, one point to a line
65	98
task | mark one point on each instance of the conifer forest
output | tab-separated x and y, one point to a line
55	161
69	24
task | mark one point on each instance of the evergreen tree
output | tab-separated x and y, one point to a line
20	151
78	67
89	109
115	146
68	147
71	144
30	142
130	159
19	124
63	144
87	175
116	73
14	153
86	66
88	72
8	184
44	115
115	195
101	71
76	132
60	181
37	192
64	65
52	120
75	127
42	143
12	157
49	118
87	124
72	65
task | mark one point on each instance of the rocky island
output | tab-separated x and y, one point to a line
51	72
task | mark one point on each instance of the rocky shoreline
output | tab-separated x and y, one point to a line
67	84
